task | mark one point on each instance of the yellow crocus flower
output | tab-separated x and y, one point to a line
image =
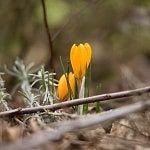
63	89
80	57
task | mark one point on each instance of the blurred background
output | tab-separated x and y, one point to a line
118	31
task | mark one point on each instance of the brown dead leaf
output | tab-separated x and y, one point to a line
11	134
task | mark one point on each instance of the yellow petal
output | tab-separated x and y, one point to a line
62	88
88	53
75	60
72	81
83	61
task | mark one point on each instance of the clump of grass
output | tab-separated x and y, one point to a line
37	85
21	72
3	95
46	85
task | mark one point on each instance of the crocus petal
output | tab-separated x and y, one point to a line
72	82
75	60
82	59
62	87
88	53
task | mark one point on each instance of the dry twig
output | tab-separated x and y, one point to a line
48	35
75	102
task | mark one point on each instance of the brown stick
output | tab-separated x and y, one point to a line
50	64
44	137
75	102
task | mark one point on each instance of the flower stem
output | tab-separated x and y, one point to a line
86	89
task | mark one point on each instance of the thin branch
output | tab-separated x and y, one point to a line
48	35
75	102
46	136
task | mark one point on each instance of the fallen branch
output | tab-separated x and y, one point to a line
46	136
75	102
